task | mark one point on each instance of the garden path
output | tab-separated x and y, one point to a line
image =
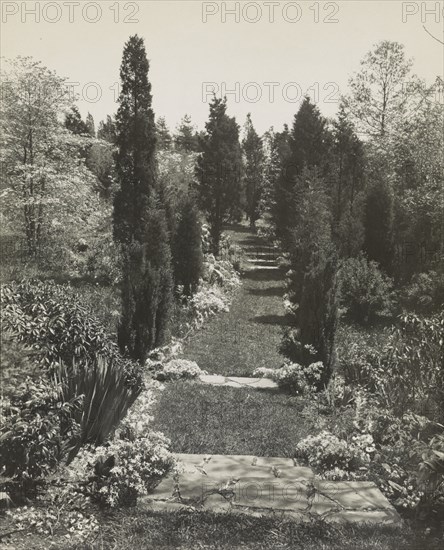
230	347
248	336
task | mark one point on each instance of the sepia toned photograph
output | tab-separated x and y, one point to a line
222	275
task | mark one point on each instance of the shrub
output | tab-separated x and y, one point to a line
124	470
412	361
50	318
294	378
187	247
37	431
176	369
325	451
425	294
75	349
365	291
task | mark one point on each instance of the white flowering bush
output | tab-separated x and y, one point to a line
178	369
293	377
207	302
325	452
125	470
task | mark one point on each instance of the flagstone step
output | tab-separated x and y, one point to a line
267	486
238	381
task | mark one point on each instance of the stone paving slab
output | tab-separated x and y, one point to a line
238	382
264	486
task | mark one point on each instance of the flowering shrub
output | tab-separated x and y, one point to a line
325	451
125	469
207	302
293	377
177	369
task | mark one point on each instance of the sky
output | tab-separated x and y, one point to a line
264	56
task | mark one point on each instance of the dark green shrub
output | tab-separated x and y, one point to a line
187	247
365	290
425	294
37	431
51	319
73	348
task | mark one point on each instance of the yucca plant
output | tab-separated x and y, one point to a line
106	397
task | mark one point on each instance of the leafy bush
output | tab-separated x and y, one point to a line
176	369
37	431
50	317
365	291
294	378
412	361
425	294
220	273
124	470
359	354
207	302
325	451
73	349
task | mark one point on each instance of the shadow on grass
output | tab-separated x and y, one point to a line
269	291
284	320
262	275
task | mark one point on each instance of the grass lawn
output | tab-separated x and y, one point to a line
200	418
249	335
136	529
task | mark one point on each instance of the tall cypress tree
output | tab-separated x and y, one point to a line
139	218
187	246
254	171
309	146
219	170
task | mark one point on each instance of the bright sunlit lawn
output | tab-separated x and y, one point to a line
200	418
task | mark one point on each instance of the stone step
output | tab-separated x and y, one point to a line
267	485
238	381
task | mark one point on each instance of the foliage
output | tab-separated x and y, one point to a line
379	219
140	224
74	122
378	95
51	318
75	349
17	365
325	451
219	170
100	160
413	365
425	293
294	378
37	430
60	516
312	285
185	138
347	186
254	158
176	369
308	149
365	291
187	247
124	470
107	130
48	194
